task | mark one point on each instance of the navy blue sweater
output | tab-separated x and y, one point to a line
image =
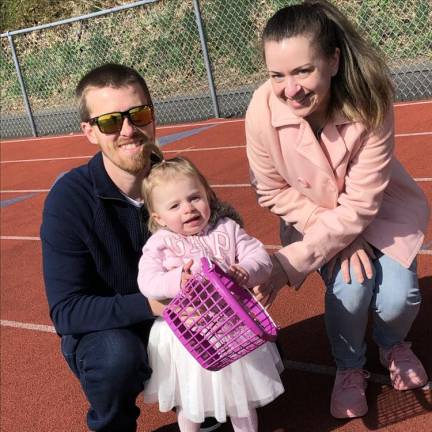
92	239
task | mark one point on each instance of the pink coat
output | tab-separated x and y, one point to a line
165	253
333	191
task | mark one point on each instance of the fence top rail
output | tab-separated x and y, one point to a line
79	18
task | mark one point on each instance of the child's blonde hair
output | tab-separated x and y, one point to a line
167	170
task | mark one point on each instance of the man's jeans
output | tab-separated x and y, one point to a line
392	296
112	367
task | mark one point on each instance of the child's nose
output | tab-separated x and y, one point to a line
188	207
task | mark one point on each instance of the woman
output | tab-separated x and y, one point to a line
320	140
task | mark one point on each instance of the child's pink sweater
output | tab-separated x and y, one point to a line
165	253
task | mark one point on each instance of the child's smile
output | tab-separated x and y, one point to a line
181	205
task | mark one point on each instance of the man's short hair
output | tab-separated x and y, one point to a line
108	75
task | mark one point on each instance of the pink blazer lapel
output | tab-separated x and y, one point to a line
305	141
334	144
309	147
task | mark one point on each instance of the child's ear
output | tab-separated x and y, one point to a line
158	219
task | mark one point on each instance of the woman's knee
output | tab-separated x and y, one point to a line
398	304
398	291
352	297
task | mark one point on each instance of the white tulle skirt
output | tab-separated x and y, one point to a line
178	380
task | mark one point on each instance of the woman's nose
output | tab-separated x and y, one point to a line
291	88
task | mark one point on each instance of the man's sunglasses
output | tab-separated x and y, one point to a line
113	122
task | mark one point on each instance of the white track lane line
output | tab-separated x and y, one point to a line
19	238
186	125
412	134
28	326
403	104
289	364
268	247
7	191
420	252
18	191
203	149
185	150
47	159
221	186
89	156
174	126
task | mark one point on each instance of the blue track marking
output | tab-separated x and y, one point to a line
168	139
427	245
8	202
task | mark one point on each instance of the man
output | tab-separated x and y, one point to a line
93	231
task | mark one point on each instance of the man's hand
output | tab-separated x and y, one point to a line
267	292
358	256
157	306
239	274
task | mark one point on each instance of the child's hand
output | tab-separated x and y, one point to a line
239	274
186	273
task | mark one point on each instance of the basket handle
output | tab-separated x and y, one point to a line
209	268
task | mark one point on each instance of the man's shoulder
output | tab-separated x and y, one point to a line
71	181
71	203
71	187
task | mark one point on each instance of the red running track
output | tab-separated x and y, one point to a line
39	393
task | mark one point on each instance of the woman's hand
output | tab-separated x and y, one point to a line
267	292
356	256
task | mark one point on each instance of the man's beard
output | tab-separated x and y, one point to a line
141	161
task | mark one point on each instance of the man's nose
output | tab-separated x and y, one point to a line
128	129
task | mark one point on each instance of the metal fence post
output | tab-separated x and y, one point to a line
206	57
22	85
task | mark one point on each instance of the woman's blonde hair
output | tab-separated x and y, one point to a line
167	170
362	89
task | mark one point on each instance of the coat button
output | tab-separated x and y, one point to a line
303	182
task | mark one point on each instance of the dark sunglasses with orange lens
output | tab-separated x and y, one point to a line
113	122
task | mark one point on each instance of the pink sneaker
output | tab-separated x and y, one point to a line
348	398
406	370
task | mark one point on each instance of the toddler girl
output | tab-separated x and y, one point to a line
188	222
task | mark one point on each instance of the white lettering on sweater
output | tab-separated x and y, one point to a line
217	245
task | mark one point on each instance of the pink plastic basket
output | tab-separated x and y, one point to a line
216	320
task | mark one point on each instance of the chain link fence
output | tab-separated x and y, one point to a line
200	60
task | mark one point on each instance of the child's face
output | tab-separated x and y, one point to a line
180	204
